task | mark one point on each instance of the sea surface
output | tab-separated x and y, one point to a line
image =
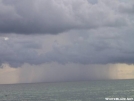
96	90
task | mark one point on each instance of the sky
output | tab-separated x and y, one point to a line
66	40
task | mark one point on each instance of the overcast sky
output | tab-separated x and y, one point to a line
66	38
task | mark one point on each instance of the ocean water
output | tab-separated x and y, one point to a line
68	91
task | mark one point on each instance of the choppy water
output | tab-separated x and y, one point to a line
68	91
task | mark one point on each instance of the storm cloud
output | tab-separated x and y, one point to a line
56	16
66	40
66	31
94	48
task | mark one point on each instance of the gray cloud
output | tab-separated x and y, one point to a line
52	16
16	52
127	9
99	32
92	47
101	47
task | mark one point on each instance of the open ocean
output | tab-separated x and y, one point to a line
96	90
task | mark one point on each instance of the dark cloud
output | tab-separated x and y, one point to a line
17	52
99	32
52	16
93	1
95	48
127	9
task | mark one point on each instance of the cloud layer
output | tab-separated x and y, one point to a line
76	31
55	16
